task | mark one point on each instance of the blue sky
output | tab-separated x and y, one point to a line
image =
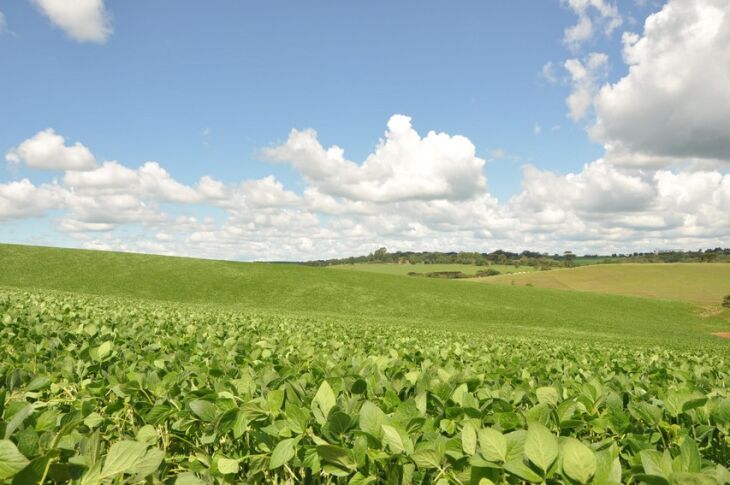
204	88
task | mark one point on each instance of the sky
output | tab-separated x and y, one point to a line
309	130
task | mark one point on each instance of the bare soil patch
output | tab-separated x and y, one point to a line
722	334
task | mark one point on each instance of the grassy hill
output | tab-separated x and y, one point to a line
355	295
701	283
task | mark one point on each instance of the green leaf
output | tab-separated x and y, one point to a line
101	352
240	424
147	434
469	439
519	469
33	472
426	459
360	479
547	395
541	447
336	455
205	410
579	461
721	411
492	445
608	468
396	440
17	419
122	458
148	464
684	478
189	479
372	419
228	466
12	461
691	459
323	402
656	463
283	452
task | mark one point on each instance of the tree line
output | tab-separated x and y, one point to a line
528	258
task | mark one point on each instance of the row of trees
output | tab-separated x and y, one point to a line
527	258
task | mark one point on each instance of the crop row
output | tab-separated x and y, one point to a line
96	390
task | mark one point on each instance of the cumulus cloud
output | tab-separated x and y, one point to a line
403	166
47	150
82	20
598	188
591	14
22	199
600	208
674	103
585	77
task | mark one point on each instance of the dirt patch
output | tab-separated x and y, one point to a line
722	334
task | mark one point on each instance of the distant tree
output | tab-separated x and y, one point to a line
569	259
379	255
726	301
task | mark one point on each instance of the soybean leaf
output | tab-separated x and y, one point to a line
492	445
122	458
541	447
228	466
372	419
323	402
469	439
283	452
11	460
426	458
579	461
205	410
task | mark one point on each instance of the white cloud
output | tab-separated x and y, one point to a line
46	150
674	103
601	208
590	13
22	199
149	181
403	166
585	77
82	20
2	22
548	73
211	189
268	192
598	188
115	194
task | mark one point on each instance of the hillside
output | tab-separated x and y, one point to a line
700	283
354	295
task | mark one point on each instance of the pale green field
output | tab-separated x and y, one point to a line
404	269
700	283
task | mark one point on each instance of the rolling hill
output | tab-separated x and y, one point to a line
352	295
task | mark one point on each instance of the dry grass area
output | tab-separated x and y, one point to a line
699	283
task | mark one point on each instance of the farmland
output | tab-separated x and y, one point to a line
404	269
701	283
130	368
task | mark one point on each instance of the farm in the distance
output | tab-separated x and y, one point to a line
130	368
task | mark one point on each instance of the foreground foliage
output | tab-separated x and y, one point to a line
96	390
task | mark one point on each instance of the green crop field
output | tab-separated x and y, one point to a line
121	368
702	283
404	269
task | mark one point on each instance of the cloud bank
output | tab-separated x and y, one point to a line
412	192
